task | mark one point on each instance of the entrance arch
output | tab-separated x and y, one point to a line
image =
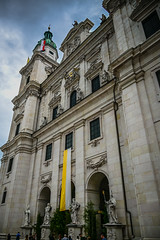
97	184
44	198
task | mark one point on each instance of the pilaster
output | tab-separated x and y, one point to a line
143	169
80	167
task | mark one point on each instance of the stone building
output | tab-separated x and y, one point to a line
102	100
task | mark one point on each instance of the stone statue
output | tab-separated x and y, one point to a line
47	217
111	209
44	122
103	18
27	216
79	94
75	23
60	109
74	207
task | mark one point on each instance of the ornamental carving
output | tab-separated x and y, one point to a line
95	67
106	77
56	98
46	178
71	77
49	70
112	5
96	164
18	117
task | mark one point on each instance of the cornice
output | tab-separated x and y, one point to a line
32	88
112	5
20	137
38	56
135	52
142	8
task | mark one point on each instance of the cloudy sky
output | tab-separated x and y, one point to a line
22	24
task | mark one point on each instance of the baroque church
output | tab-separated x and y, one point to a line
102	101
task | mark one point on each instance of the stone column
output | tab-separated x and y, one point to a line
142	165
55	171
80	171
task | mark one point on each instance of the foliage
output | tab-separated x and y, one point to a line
90	221
38	226
59	222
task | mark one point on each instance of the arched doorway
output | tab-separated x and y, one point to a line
44	198
97	185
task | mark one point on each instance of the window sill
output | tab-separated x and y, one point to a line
47	162
95	141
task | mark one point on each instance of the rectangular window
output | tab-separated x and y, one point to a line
69	140
94	129
158	77
4	196
151	24
95	84
54	113
17	129
10	165
48	152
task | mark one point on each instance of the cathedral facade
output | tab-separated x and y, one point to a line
103	102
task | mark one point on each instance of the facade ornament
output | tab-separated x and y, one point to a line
74	207
111	209
112	5
46	179
103	19
106	77
44	122
77	41
27	216
80	94
49	70
101	162
60	109
75	24
71	77
95	143
111	235
134	3
47	216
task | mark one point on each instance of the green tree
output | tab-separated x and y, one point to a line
38	226
90	221
59	222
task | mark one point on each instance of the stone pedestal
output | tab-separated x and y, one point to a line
114	231
74	230
45	232
26	230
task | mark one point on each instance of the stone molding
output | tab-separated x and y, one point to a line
46	178
31	89
71	78
55	99
94	68
18	117
141	8
94	164
112	5
79	124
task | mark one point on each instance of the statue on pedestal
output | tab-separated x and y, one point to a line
74	207
27	216
47	217
111	209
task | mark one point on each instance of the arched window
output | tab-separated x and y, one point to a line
4	196
73	98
